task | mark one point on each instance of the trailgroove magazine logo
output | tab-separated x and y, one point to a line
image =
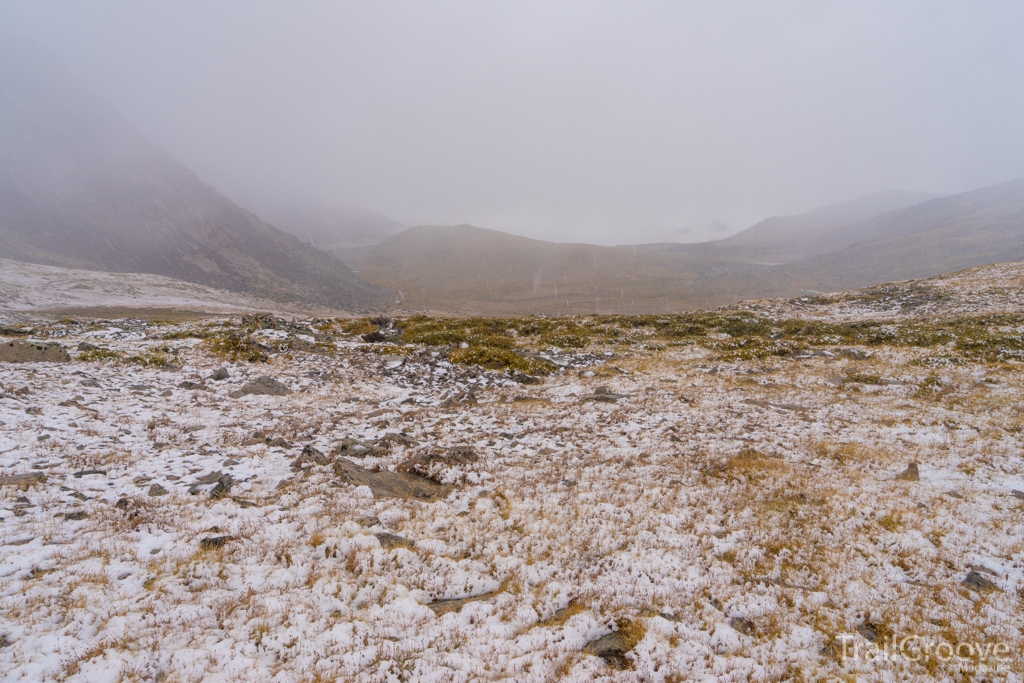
973	656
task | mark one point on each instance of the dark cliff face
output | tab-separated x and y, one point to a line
80	187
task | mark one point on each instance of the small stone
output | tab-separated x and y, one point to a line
1019	495
121	504
166	392
75	516
157	490
219	374
869	631
33	411
213	542
391	541
910	474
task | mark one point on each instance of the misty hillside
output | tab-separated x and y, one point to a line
345	231
80	187
935	237
784	239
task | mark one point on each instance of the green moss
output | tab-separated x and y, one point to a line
98	355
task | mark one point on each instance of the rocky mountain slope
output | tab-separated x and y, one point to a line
79	187
345	231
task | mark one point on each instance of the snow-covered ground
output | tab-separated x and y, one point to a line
27	288
729	520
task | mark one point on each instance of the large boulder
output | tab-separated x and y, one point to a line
32	352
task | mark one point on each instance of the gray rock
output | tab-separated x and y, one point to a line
425	464
157	490
262	386
310	456
32	352
213	542
603	395
222	484
978	583
219	374
612	648
193	386
1019	495
387	484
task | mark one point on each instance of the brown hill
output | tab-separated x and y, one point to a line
79	187
474	270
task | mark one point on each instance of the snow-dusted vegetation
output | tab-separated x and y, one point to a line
813	489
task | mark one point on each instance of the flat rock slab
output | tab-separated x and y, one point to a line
389	484
27	479
262	386
32	352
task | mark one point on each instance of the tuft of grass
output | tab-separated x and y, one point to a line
150	360
238	346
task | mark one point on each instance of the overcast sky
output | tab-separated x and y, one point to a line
609	122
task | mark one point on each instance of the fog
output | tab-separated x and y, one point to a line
573	121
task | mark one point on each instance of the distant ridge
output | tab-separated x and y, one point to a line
80	187
791	238
931	238
879	238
